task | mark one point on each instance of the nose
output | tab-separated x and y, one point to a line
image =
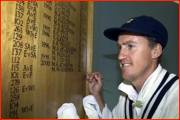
122	54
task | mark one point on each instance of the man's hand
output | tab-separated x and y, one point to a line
95	87
95	83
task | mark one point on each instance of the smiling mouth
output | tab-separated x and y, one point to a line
124	65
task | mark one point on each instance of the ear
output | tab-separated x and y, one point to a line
157	51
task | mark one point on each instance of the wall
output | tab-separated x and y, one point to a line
44	48
114	14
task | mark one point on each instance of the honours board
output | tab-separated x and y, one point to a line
46	51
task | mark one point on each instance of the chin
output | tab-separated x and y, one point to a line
128	77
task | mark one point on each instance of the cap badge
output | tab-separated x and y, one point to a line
129	20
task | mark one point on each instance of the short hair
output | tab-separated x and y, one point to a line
152	43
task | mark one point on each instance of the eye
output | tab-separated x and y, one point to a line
130	46
118	46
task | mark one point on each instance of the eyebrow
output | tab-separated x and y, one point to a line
127	42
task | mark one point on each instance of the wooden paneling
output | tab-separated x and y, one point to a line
46	50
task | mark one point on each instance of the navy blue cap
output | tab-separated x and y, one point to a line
142	25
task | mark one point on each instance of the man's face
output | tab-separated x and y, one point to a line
135	56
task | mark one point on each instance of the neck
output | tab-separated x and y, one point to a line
139	82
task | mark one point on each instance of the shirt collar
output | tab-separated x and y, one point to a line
127	87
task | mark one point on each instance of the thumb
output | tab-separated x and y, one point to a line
98	78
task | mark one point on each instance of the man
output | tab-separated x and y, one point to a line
148	90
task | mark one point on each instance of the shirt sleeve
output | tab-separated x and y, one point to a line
92	109
107	114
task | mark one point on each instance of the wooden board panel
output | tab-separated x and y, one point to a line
46	49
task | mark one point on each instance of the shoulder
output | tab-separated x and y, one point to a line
171	82
172	94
